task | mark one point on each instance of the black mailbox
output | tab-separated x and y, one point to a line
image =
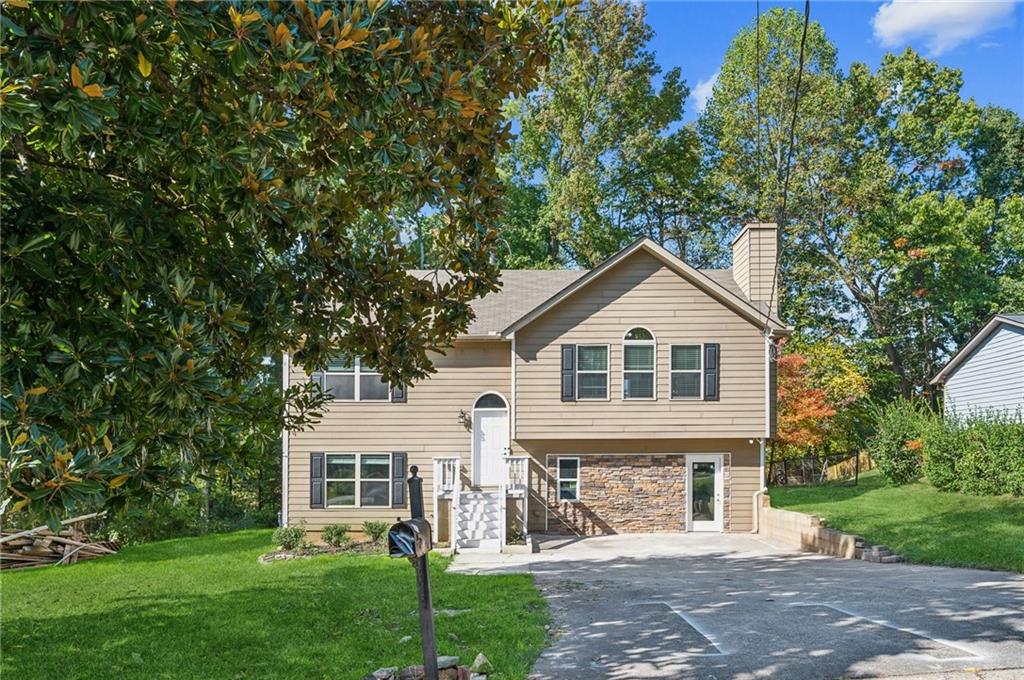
410	538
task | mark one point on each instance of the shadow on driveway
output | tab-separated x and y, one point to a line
732	606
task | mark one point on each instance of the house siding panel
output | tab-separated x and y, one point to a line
991	378
641	291
425	427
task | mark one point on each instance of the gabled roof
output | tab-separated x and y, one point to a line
525	294
997	320
710	281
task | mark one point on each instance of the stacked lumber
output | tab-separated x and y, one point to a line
40	547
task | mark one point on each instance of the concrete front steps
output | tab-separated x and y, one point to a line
478	521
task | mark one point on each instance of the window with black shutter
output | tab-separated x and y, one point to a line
712	371
316	480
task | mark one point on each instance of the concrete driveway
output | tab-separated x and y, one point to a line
734	606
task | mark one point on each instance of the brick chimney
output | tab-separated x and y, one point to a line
754	253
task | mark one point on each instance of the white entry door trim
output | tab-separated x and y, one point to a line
490	444
715	524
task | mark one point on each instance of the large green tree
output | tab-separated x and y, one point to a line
590	138
185	192
886	241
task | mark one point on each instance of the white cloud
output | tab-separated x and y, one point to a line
941	24
702	91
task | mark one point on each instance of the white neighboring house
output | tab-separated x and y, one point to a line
987	374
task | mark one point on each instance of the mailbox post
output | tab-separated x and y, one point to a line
412	539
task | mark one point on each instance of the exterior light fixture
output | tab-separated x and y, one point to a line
463	418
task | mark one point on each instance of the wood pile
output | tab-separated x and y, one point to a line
40	547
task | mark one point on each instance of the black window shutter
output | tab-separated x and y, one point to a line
398	394
398	472
568	372
316	480
712	371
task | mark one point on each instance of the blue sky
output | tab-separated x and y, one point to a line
985	40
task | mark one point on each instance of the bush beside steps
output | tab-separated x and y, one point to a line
293	543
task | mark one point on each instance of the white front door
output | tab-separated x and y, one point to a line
490	440
704	493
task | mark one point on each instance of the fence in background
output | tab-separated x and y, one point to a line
818	469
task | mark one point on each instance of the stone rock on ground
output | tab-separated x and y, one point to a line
447	666
481	665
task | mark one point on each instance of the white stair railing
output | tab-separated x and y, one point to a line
516	483
516	468
446	485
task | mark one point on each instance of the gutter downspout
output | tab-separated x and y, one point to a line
285	370
759	493
513	414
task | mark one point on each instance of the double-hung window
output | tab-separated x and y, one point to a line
686	371
638	350
358	480
347	379
592	371
568	479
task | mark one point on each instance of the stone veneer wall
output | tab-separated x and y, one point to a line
628	493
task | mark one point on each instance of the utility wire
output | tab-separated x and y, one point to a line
757	122
789	162
757	104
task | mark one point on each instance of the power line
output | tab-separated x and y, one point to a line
789	161
757	102
757	123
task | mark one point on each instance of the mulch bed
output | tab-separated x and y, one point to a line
355	548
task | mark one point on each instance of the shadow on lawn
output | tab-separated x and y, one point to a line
730	615
316	619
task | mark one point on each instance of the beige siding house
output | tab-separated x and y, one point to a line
634	397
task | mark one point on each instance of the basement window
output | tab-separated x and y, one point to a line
568	479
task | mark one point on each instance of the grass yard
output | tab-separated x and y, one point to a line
925	525
204	608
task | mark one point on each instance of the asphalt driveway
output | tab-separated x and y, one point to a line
734	606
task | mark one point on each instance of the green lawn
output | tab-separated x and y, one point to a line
923	524
204	608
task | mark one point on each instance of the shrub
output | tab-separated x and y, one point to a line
336	535
897	445
515	536
376	530
943	445
983	455
291	537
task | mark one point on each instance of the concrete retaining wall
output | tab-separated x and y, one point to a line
803	532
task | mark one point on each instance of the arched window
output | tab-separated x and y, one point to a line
490	400
638	375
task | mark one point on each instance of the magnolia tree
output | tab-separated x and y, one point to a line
191	188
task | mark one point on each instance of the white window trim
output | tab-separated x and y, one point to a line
356	372
699	371
607	372
358	480
653	342
558	478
